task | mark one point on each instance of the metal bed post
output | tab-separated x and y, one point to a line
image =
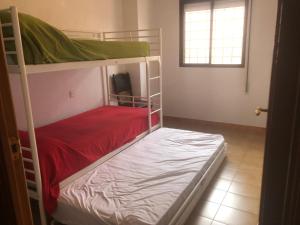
107	85
160	90
105	78
103	72
28	110
160	75
148	94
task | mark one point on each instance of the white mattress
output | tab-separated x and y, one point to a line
142	185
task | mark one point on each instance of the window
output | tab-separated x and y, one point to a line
212	32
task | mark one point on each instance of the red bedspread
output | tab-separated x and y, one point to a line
68	146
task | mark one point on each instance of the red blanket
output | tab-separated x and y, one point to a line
68	146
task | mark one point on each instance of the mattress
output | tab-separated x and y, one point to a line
67	146
143	185
44	44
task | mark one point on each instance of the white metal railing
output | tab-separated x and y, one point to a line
130	99
134	100
93	35
151	36
6	25
150	96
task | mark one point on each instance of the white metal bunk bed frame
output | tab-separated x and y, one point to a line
24	70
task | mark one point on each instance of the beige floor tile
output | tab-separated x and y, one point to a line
240	202
217	223
235	158
206	209
229	165
253	162
221	184
198	220
248	177
254	153
255	170
232	216
235	148
226	173
250	167
252	157
232	164
245	190
214	195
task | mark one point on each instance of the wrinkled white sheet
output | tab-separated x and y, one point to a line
144	184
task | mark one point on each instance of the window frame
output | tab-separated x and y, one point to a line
182	37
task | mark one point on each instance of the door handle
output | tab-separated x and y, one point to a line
259	110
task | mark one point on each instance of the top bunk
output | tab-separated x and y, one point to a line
34	46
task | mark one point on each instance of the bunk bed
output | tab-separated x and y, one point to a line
151	158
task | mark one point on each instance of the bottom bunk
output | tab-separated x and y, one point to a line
157	180
70	145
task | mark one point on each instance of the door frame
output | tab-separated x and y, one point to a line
280	198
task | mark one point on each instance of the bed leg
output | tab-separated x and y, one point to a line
104	81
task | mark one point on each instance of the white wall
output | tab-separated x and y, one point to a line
51	99
138	14
146	14
217	94
130	16
58	95
88	15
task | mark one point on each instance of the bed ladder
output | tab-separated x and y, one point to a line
34	187
154	107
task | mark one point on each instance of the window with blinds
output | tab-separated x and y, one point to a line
213	32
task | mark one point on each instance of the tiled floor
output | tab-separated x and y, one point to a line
233	196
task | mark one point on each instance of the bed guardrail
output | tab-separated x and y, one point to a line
151	36
135	100
93	35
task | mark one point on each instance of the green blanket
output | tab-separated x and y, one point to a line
43	43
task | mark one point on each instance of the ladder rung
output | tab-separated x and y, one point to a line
9	39
155	95
33	195
31	182
6	25
26	149
154	78
11	53
29	171
27	160
155	111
